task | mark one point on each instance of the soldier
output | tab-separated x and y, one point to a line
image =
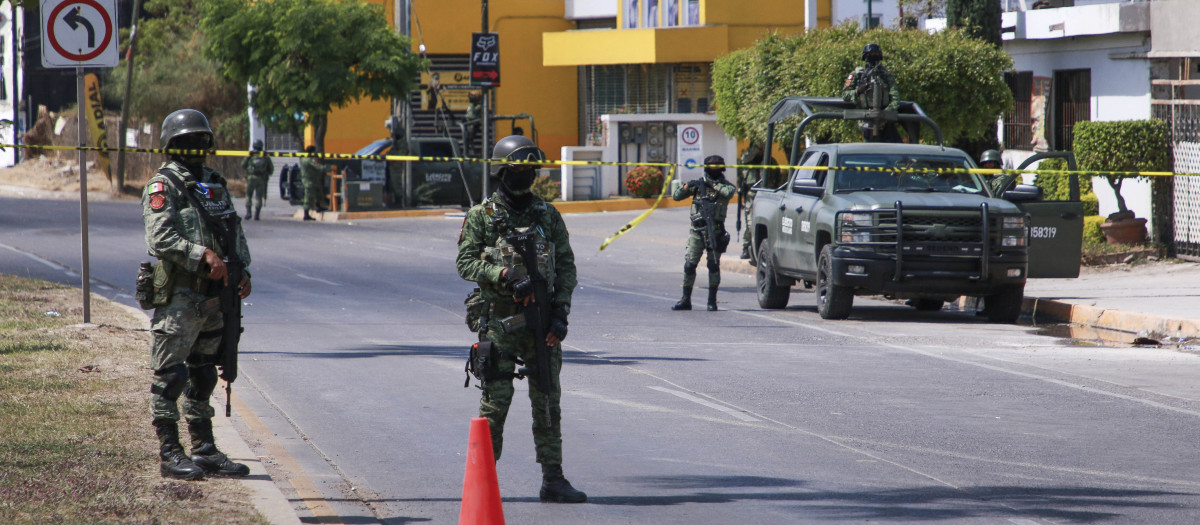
873	87
747	178
187	327
712	188
312	173
258	169
485	256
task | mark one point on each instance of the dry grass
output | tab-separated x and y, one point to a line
76	445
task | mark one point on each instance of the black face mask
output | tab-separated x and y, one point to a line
518	180
714	174
193	141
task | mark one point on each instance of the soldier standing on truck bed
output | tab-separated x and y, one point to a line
872	87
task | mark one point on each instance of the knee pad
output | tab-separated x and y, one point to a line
689	268
203	382
173	380
714	267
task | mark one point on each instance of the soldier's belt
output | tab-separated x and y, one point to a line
196	283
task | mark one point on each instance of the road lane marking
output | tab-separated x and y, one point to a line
323	281
709	404
44	262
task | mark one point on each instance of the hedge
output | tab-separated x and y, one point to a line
1126	145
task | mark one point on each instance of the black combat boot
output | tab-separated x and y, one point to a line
248	213
257	211
205	454
686	302
712	298
745	252
175	463
556	488
308	217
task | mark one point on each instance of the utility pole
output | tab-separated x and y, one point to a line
17	78
137	10
486	136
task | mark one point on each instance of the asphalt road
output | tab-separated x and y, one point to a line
355	342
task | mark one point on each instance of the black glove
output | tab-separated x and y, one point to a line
518	283
558	322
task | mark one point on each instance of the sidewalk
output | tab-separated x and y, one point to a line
1155	299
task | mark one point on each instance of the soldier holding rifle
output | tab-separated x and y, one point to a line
516	248
195	289
710	198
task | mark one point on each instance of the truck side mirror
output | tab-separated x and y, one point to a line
1024	193
808	187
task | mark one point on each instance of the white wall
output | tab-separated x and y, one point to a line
8	133
888	11
587	9
1120	90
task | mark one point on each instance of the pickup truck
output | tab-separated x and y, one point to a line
905	221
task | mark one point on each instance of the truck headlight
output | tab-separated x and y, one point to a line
1012	241
1013	223
852	225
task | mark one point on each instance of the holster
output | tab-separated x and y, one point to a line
481	363
164	283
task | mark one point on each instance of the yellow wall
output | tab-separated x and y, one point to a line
547	93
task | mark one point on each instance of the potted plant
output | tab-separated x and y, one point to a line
644	181
1122	148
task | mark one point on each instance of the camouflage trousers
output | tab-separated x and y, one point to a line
312	192
256	191
747	236
183	354
498	395
691	260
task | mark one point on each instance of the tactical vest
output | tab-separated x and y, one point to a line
504	254
259	167
213	195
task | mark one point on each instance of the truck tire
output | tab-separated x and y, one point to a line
1004	306
771	295
833	302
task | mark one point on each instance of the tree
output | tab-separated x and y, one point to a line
979	18
913	10
305	57
956	79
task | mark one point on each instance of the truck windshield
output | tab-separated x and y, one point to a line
905	172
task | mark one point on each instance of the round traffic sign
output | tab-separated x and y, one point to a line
82	56
690	135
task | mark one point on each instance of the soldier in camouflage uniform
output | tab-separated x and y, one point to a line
747	178
485	257
258	171
715	188
873	87
187	326
312	173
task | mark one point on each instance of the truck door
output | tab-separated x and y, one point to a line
1055	228
795	244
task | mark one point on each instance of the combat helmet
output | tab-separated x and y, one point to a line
872	54
258	145
515	148
990	155
185	122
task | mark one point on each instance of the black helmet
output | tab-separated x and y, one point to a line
872	54
990	155
716	161
258	145
185	122
515	148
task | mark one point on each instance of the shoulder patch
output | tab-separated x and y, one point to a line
158	201
157	187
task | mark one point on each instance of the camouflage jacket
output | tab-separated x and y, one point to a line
311	171
483	230
891	98
258	166
175	231
722	190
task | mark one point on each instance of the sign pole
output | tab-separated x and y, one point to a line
83	202
486	136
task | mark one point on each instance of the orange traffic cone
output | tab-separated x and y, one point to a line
481	489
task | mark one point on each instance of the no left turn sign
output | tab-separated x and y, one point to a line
79	33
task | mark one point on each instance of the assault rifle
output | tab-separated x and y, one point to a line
706	220
537	316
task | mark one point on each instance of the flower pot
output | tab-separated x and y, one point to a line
1126	231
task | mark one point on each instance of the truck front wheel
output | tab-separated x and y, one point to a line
1005	305
770	295
833	301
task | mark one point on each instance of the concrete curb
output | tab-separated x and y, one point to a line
265	495
1042	309
562	207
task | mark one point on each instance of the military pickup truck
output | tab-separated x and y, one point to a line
896	220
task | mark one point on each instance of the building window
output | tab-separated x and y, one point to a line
874	22
632	12
651	15
1018	123
634	88
672	14
1072	103
693	88
693	13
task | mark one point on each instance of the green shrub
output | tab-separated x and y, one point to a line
1092	235
1126	145
1058	188
644	181
957	80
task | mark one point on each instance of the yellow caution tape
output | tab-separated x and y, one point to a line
638	220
